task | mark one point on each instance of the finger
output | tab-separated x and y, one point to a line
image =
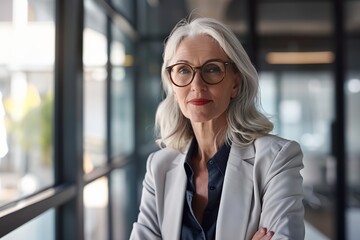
259	234
268	236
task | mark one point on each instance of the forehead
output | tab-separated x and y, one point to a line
198	49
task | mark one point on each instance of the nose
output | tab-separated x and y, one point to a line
198	83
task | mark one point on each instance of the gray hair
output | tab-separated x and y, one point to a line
245	122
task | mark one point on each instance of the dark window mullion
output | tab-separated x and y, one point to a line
340	105
27	209
253	18
69	116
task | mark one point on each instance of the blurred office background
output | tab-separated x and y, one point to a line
79	86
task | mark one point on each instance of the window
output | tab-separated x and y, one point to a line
95	75
96	204
126	7
122	94
56	112
39	228
122	194
300	96
27	57
352	100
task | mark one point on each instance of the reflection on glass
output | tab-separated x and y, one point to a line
123	195
119	195
39	228
126	7
96	204
27	53
122	94
352	116
295	17
353	154
306	110
149	91
95	74
353	133
302	107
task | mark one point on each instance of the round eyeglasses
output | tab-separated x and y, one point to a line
212	72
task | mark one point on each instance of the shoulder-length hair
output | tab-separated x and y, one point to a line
245	122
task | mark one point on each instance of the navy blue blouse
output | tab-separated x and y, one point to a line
191	229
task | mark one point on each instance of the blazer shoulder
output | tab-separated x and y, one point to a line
164	160
271	147
275	144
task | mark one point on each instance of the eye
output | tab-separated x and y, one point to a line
212	68
183	69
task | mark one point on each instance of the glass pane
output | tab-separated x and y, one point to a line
306	110
352	100
295	17
39	228
95	74
157	18
27	53
149	88
122	94
353	153
126	7
301	105
352	17
149	95
124	204
298	94
96	209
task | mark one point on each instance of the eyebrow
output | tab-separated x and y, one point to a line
208	60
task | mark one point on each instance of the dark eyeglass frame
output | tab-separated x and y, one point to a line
226	63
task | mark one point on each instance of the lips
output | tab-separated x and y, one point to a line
199	101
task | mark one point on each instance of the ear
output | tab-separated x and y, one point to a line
173	93
236	85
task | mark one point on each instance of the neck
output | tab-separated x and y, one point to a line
209	138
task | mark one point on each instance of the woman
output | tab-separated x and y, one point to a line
219	174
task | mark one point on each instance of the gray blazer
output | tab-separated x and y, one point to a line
262	188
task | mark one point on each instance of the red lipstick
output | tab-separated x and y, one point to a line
199	101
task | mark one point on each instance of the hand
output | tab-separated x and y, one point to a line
263	234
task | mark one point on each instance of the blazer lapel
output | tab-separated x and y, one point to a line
174	195
237	194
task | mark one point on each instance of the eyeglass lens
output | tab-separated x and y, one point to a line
212	73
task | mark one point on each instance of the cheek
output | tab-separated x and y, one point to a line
179	97
179	93
175	93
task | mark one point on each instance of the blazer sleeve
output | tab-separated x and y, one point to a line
282	206
147	225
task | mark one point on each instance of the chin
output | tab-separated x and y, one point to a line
218	119
200	119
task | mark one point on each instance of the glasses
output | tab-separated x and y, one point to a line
212	72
